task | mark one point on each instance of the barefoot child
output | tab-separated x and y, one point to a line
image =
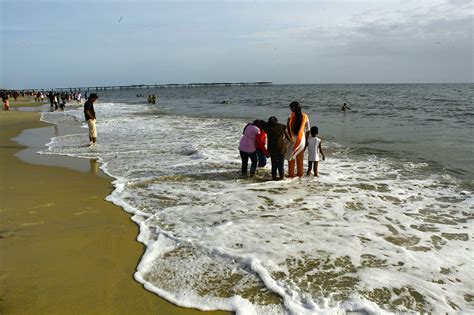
313	144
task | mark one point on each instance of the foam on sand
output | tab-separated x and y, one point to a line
355	239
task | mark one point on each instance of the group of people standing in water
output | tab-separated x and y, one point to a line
284	142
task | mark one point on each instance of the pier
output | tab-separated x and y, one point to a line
161	86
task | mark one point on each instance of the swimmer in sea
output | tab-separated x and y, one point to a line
344	107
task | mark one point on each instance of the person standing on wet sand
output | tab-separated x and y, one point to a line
298	125
262	152
248	148
90	118
51	98
315	150
277	134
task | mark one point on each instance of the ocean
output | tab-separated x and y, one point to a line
386	227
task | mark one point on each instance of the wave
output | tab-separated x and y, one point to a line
349	240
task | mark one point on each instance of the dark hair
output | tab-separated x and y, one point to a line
314	131
259	123
272	119
93	95
296	108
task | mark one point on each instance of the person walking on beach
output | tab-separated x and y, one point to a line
6	102
90	118
51	99
56	101
62	103
313	144
277	135
298	125
248	148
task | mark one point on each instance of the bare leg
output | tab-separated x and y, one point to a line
310	164
316	168
291	168
299	164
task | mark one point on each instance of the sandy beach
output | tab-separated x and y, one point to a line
63	248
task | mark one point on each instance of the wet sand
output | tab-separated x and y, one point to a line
63	248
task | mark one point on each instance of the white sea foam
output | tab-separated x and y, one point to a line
371	234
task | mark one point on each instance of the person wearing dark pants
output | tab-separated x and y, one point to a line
245	162
277	135
248	148
278	164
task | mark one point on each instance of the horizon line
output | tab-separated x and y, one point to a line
223	83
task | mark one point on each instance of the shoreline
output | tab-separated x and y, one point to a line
63	247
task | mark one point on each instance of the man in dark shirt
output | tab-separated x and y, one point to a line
90	118
277	135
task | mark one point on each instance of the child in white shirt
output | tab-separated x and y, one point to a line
313	144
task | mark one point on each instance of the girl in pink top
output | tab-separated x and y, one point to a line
248	148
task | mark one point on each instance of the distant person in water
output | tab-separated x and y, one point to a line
277	135
344	107
315	150
90	118
248	148
153	99
298	125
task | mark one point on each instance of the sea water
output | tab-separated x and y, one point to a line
386	227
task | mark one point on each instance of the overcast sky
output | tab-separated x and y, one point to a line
64	43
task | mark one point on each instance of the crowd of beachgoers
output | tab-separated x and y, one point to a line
57	100
285	142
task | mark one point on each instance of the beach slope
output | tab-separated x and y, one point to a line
63	248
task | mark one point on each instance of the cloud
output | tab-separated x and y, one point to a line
460	2
382	31
310	41
405	41
412	31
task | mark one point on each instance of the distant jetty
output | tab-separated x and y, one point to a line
160	86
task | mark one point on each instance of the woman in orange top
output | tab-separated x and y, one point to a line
298	125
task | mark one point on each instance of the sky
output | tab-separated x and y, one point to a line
66	43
